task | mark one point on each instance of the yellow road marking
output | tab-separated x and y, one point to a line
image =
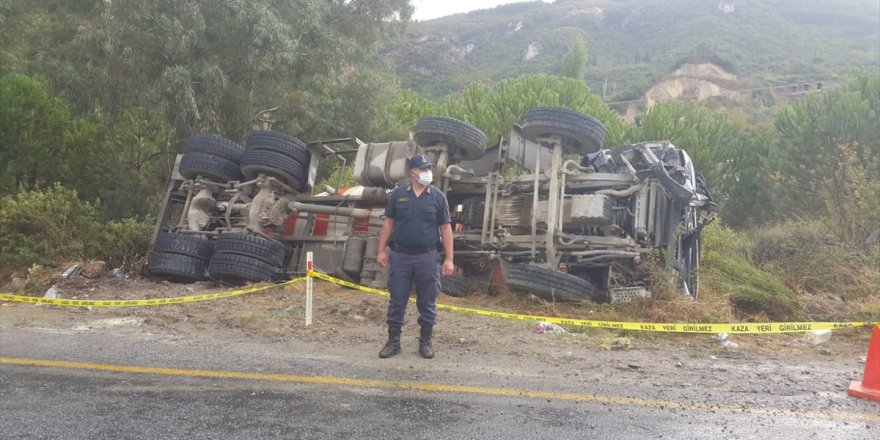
436	387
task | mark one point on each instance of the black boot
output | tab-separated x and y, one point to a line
425	348
391	347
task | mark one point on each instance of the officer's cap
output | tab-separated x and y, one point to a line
420	161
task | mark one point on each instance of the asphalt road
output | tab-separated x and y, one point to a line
130	384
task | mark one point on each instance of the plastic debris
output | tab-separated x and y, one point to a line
549	327
719	336
729	345
51	293
72	271
118	273
817	337
616	344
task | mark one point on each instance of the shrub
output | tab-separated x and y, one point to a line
810	259
728	270
42	226
124	243
32	126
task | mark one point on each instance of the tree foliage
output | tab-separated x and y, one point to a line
29	234
52	224
730	157
33	126
495	108
827	159
208	66
138	157
42	142
574	65
123	162
123	83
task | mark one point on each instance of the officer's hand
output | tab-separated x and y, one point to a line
382	258
448	268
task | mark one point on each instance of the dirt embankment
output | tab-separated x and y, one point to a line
692	82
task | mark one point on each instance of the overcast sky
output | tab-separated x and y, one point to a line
428	9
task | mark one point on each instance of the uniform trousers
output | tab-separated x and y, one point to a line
423	271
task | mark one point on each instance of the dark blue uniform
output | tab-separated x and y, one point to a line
414	257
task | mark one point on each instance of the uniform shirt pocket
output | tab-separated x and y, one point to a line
428	213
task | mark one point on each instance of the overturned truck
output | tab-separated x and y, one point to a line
546	210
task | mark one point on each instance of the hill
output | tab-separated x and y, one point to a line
633	44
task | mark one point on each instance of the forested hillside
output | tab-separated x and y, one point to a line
633	43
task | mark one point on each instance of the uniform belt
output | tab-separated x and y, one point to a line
413	250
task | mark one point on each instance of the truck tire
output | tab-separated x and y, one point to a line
240	269
183	244
275	164
548	283
456	285
255	246
214	145
213	167
176	267
581	134
281	143
467	139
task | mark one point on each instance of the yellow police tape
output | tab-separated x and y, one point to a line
141	302
751	327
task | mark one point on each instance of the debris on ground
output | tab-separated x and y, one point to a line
51	293
118	273
817	337
72	271
549	327
616	344
729	345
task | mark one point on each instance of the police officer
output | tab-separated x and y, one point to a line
416	222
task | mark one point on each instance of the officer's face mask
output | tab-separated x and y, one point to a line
425	177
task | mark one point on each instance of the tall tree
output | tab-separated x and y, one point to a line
574	65
32	131
827	160
208	66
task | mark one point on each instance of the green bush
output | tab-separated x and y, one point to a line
124	243
47	226
42	226
728	270
32	128
810	258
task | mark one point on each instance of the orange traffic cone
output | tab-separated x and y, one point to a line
869	387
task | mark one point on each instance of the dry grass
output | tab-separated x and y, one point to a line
811	261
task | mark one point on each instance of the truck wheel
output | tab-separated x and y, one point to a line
275	164
255	246
470	141
183	244
176	267
239	269
279	142
213	167
580	133
214	145
548	283
456	285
